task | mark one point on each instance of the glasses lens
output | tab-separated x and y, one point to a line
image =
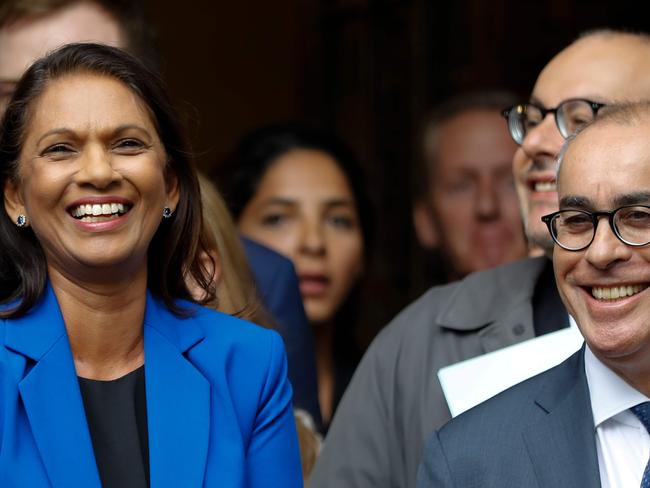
573	229
633	225
522	118
573	114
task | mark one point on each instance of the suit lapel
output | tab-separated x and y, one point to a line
178	400
562	443
51	396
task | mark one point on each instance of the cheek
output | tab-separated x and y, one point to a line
564	263
454	216
41	186
346	259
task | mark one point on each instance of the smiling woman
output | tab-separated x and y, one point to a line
102	347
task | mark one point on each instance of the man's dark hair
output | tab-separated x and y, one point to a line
129	15
175	247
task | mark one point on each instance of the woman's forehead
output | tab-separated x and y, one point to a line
84	101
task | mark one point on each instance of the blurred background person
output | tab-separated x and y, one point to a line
465	210
300	192
31	28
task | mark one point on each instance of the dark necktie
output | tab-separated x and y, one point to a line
642	411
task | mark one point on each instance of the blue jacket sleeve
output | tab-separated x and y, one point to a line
273	454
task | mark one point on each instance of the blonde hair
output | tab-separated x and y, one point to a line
309	440
236	293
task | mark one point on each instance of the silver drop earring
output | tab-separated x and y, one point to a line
167	212
21	220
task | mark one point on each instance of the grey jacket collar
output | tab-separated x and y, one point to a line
498	301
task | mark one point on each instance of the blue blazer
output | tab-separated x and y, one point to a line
537	434
277	285
218	403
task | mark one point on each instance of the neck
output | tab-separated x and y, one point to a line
104	322
324	335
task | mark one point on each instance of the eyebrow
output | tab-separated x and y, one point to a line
580	202
575	201
641	197
334	202
279	201
339	202
53	132
66	131
591	98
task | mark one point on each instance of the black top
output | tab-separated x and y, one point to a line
116	411
549	313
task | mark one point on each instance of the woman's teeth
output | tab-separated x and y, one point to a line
612	293
98	212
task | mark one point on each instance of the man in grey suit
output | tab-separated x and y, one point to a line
583	423
395	401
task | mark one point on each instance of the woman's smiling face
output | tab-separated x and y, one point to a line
92	174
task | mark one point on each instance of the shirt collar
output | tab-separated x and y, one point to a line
609	393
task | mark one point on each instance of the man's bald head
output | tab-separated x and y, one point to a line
602	66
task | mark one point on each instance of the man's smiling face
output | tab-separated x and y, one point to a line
602	68
605	286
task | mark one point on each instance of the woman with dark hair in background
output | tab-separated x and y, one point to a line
111	374
300	192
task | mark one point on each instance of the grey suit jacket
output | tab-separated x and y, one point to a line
395	401
537	434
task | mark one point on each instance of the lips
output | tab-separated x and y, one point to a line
99	213
88	211
542	184
313	285
98	209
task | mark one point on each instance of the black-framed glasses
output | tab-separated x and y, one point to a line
574	230
570	115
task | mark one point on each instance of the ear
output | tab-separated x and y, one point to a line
425	228
172	189
13	200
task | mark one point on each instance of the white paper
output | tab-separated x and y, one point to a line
470	382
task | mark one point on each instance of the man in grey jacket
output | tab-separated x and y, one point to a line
395	401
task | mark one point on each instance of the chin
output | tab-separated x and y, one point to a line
317	314
614	341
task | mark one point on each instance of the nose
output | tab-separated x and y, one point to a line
543	142
487	200
96	168
606	249
312	239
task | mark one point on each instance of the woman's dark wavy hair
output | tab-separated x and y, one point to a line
240	174
176	244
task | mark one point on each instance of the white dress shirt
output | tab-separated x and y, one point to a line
622	442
